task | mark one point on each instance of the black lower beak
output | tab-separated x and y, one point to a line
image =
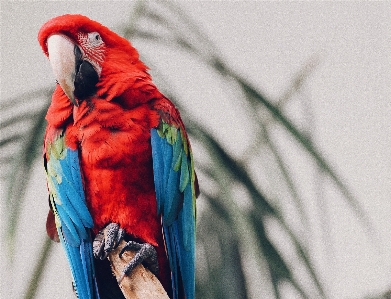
86	77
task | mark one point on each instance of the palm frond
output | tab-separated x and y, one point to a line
22	136
39	269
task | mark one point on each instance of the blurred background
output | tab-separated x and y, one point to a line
288	109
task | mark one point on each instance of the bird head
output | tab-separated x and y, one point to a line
87	58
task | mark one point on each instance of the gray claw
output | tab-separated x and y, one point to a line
98	245
107	239
146	253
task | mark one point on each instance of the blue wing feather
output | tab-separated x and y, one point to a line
185	175
69	230
73	219
188	228
175	197
73	162
74	190
158	166
177	154
169	237
186	258
172	199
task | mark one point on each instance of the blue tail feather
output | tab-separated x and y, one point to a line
80	259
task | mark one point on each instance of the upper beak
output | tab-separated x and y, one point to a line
62	59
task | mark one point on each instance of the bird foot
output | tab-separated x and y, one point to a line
146	254
110	237
106	240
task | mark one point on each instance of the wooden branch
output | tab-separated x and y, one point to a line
141	283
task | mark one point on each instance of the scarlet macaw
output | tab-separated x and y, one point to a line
116	154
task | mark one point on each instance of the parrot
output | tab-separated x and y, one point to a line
118	160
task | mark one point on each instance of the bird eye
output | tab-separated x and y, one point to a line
95	38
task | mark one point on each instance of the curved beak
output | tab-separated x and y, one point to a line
63	61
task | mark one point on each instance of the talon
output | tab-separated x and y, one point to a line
98	245
146	253
131	245
107	239
111	236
